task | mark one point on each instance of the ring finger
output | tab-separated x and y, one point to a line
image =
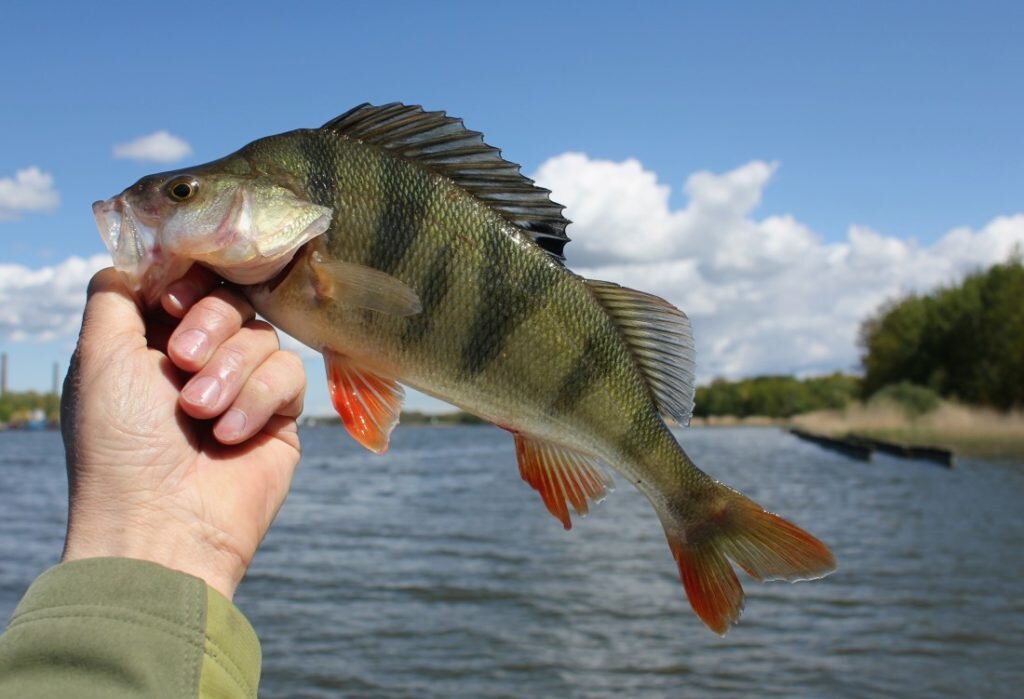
276	387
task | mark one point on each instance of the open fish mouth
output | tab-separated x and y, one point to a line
130	241
135	251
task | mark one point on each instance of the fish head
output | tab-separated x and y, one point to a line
244	227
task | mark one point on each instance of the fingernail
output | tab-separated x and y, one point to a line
192	344
232	424
182	294
202	391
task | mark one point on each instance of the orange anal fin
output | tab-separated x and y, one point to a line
563	477
369	405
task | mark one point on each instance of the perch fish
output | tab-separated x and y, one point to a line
408	251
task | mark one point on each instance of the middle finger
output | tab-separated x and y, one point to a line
212	390
206	325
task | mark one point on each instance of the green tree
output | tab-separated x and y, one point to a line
18	405
893	341
775	396
964	342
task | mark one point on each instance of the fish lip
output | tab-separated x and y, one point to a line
126	237
109	218
130	240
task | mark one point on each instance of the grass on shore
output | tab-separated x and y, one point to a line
966	430
734	421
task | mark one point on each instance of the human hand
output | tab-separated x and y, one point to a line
180	436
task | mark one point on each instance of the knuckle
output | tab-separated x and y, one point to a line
235	301
211	311
261	390
293	368
231	356
277	383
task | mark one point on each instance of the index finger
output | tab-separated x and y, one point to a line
183	294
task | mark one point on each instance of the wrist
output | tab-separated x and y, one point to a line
172	546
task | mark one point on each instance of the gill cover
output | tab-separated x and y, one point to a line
263	229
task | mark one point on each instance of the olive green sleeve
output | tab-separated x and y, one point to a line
116	627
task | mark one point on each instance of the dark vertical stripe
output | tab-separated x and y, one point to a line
435	287
503	303
321	169
402	218
592	364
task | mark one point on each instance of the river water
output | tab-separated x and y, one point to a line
433	571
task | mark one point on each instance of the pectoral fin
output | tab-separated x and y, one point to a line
562	476
362	287
369	405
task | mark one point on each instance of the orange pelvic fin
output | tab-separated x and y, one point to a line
562	476
764	545
369	405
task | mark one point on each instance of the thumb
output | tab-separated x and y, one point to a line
112	321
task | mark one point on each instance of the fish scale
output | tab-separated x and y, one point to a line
420	256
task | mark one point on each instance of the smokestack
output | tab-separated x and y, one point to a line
3	374
56	377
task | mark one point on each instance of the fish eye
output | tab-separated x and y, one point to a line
182	189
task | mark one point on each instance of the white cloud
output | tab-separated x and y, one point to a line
39	305
765	295
30	189
161	147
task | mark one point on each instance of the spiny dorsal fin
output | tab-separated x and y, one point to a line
661	340
444	145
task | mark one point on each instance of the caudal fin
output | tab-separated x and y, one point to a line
764	545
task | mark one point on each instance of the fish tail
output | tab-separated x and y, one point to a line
734	528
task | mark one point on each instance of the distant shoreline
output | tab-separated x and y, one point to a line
966	430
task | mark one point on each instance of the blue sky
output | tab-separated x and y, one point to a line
904	118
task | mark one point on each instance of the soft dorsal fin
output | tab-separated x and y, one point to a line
661	339
562	476
444	145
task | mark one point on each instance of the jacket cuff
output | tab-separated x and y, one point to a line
232	650
131	628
